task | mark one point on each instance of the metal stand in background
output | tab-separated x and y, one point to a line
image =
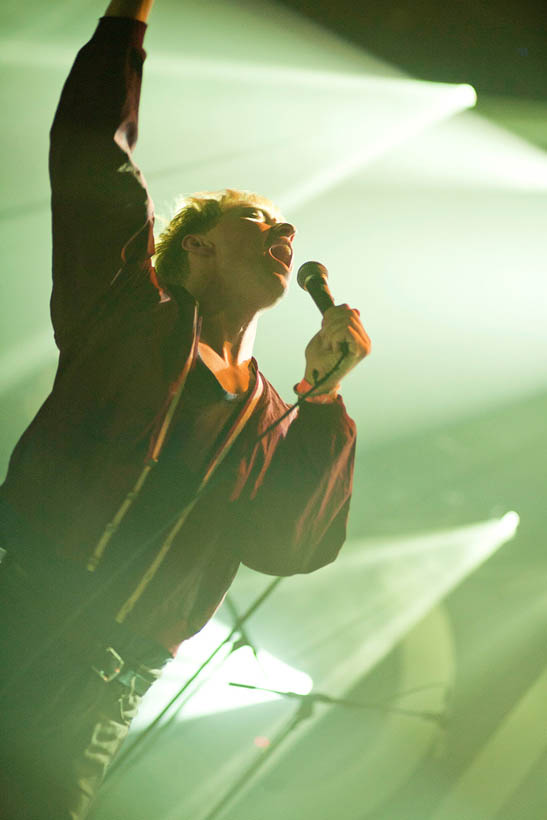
304	711
153	730
243	640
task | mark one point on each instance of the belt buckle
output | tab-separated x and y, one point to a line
111	665
139	684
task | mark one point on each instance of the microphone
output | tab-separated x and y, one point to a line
312	277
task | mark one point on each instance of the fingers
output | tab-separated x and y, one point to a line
339	310
341	316
342	324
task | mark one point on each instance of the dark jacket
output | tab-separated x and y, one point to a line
279	505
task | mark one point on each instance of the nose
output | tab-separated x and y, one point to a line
284	229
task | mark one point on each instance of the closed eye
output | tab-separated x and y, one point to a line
259	215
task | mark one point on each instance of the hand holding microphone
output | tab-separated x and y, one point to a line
341	332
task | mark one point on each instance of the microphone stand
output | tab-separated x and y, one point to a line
154	727
304	711
319	697
242	641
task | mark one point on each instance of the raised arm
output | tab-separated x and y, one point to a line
102	215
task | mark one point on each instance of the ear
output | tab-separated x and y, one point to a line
193	243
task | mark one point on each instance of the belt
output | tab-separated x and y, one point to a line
111	649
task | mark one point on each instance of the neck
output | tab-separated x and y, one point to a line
230	337
228	324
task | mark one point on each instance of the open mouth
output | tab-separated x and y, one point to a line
281	252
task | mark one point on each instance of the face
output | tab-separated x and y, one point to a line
253	254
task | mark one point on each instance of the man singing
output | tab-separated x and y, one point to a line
155	466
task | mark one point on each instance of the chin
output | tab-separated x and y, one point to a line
275	283
275	292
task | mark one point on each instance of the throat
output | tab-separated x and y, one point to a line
233	377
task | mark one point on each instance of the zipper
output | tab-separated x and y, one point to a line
153	453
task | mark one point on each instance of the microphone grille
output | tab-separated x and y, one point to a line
311	270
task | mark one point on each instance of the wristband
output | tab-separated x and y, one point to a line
320	398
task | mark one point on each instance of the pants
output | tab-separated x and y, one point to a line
61	723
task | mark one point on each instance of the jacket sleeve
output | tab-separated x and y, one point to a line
292	516
102	215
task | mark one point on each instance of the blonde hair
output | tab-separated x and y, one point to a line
197	213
